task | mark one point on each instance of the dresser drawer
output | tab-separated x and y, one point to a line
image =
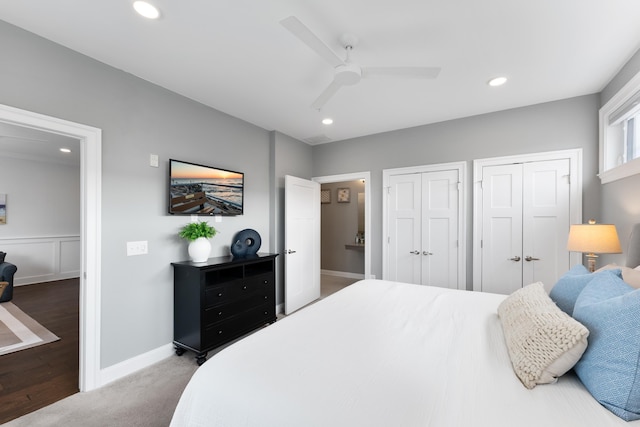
221	312
238	325
238	290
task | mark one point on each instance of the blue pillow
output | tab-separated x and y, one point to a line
565	292
610	368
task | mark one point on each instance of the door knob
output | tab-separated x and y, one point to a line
426	253
530	258
415	252
289	251
515	258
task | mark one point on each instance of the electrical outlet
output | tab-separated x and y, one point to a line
137	248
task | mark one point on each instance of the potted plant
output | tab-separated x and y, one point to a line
198	235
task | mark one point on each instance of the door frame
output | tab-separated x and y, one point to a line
575	203
329	179
90	226
461	167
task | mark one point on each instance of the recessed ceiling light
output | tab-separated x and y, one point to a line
65	150
146	9
498	81
327	121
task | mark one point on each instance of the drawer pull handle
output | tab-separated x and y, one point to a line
266	282
244	287
220	294
219	313
266	297
266	312
219	332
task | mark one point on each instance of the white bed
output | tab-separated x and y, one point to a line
380	353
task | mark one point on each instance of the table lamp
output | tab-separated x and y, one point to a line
593	238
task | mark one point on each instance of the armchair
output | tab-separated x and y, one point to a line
7	270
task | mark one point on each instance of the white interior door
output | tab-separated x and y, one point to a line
423	230
502	228
439	220
546	195
525	224
404	247
302	243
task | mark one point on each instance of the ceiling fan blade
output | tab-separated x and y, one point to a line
409	72
299	30
326	95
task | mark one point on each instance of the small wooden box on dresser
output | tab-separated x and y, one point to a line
220	300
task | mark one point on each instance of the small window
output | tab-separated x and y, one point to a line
620	134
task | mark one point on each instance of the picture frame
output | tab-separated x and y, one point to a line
325	196
344	195
3	208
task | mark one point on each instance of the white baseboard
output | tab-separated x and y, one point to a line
134	364
345	274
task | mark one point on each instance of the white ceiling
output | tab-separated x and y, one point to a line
233	55
21	142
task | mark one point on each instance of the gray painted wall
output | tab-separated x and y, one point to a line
621	199
339	225
137	118
44	202
559	125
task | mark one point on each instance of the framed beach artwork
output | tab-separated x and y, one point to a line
3	208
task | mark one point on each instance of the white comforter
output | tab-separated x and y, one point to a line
382	354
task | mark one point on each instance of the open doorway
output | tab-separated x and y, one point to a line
40	172
90	195
346	213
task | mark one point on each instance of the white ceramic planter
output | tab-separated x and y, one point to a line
199	249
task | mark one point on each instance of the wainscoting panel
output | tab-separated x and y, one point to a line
43	259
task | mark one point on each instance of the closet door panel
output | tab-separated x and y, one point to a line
440	229
546	209
502	228
404	228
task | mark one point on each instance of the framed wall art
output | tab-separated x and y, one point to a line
325	196
344	195
3	208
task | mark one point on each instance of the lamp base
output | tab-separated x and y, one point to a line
591	262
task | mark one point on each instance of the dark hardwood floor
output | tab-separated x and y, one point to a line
33	378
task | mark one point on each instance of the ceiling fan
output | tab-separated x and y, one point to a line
346	72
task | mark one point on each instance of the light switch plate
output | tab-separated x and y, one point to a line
137	248
153	160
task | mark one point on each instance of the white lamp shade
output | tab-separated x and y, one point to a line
594	238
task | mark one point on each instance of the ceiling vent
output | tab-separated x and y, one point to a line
318	139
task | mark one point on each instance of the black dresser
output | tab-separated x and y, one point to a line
220	300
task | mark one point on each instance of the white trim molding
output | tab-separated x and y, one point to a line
345	274
609	169
44	258
90	234
134	364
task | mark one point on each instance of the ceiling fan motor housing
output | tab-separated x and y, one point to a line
348	74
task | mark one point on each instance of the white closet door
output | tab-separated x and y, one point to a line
302	243
404	204
502	228
423	220
440	229
546	196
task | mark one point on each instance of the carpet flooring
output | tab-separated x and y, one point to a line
146	398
